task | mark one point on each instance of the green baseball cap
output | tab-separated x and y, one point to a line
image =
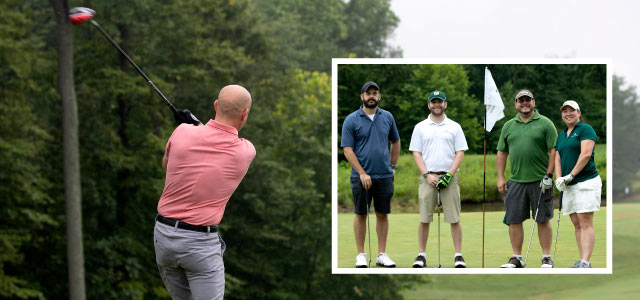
437	94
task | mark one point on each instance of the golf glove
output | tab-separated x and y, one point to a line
546	183
185	116
393	169
444	181
561	183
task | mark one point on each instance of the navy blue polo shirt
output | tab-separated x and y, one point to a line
569	150
370	141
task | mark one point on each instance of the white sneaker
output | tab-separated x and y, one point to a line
384	261
361	261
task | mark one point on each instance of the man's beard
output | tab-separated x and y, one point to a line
367	105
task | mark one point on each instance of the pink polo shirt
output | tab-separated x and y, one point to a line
205	166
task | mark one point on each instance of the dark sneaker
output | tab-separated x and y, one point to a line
420	262
459	262
547	262
514	262
577	264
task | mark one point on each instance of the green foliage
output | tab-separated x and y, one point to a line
405	89
626	128
276	224
22	142
307	34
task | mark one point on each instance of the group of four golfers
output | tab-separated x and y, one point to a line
371	144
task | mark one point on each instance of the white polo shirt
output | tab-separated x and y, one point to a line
438	143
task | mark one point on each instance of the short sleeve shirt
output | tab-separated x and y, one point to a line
205	166
438	143
569	150
528	146
370	141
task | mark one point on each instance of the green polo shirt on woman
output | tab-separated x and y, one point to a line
569	150
528	146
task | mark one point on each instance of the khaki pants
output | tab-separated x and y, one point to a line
449	197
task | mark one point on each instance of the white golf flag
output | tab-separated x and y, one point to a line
492	100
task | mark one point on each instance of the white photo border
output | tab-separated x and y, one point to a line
459	61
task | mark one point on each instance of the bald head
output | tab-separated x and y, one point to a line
233	100
232	106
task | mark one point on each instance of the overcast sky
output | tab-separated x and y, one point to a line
527	29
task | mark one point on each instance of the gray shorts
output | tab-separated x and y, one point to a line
190	262
522	198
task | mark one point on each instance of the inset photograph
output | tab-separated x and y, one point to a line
442	166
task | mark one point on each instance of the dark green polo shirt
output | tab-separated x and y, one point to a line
569	150
528	146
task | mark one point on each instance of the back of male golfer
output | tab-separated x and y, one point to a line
529	139
204	165
438	146
366	134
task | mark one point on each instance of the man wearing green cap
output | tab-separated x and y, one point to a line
438	146
529	139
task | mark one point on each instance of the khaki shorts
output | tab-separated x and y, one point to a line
582	197
449	197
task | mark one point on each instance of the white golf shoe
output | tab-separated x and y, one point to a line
384	261
361	261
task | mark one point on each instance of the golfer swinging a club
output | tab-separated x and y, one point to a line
529	139
204	165
366	135
438	144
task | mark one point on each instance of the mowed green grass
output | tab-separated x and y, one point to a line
622	284
402	241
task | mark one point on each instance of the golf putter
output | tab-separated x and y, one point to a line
532	228
366	197
555	245
439	204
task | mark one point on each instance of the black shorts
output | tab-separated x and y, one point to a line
381	192
522	197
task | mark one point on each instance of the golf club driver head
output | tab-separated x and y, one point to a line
79	15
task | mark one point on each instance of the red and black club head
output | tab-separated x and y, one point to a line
79	15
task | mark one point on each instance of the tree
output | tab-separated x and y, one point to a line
626	129
66	87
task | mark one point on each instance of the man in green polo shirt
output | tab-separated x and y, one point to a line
529	140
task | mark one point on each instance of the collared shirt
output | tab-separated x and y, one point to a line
528	146
569	149
205	166
438	143
370	141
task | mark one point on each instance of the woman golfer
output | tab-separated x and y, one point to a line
578	178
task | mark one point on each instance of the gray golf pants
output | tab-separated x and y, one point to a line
190	262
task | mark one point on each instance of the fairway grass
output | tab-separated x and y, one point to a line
622	284
402	241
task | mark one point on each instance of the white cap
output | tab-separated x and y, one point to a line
571	103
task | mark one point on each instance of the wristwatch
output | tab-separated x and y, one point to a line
426	174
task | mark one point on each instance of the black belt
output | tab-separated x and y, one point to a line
439	173
187	226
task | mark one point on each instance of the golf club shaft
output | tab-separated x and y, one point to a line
173	108
439	204
534	226
555	245
366	197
